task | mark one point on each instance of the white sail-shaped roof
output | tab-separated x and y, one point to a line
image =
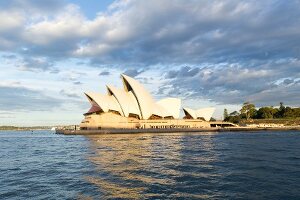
190	112
143	97
100	99
171	106
136	100
105	102
134	106
206	113
126	100
159	110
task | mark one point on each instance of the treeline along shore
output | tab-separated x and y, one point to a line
249	114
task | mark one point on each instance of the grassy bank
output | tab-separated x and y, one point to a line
284	121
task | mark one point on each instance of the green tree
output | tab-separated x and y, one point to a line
281	110
212	119
234	113
297	112
289	113
265	113
225	114
233	117
248	110
281	106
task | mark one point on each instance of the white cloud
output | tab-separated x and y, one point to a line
225	51
10	20
182	31
66	25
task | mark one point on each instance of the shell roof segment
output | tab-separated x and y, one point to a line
206	113
105	102
143	97
126	101
135	99
171	106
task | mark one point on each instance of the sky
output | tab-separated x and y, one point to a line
208	53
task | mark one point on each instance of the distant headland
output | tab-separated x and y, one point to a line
24	128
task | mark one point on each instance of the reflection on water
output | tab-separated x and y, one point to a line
135	166
196	165
42	165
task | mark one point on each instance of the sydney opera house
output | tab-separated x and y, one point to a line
134	108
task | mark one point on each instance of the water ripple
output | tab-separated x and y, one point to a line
42	165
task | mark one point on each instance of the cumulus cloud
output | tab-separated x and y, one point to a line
133	72
183	72
18	15
36	64
289	94
9	56
6	114
69	94
24	99
165	32
226	51
288	81
234	83
104	73
32	5
77	83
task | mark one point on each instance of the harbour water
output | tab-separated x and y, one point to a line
250	165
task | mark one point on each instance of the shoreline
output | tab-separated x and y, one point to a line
153	131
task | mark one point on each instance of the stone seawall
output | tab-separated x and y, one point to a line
175	130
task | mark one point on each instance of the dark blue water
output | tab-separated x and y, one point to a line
42	165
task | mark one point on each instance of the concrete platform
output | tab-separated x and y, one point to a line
177	130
